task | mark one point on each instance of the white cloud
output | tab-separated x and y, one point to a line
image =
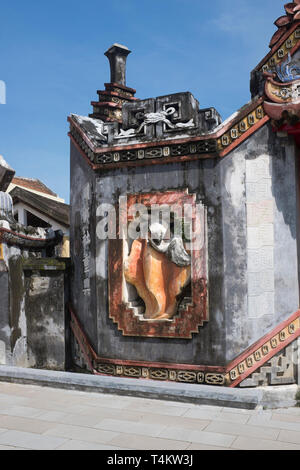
246	19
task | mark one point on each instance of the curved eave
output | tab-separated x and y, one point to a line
289	35
11	237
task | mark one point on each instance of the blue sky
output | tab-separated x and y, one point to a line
52	63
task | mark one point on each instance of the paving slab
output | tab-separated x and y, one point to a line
141	428
173	421
200	437
251	443
11	448
24	424
287	436
97	436
286	417
30	440
246	430
274	423
135	442
106	422
82	445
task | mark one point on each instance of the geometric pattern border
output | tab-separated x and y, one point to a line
231	376
288	44
263	350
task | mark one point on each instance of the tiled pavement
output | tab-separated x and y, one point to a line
34	417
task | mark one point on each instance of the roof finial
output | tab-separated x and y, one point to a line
117	56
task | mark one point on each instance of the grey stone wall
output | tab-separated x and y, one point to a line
226	189
32	310
82	245
259	298
202	177
45	313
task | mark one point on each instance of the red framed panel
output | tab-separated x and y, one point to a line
194	314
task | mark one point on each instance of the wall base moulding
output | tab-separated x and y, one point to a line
247	365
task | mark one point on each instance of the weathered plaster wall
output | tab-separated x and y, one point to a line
45	316
11	307
270	239
82	245
18	330
202	177
32	317
223	186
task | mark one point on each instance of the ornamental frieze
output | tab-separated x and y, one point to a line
92	138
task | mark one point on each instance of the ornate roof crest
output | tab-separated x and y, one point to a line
284	22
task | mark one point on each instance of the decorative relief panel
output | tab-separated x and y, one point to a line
159	117
157	288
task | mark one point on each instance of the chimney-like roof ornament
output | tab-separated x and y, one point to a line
117	56
108	108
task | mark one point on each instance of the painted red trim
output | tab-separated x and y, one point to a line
279	44
265	359
122	362
161	143
116	94
162	365
104	118
118	85
270	77
258	344
165	160
102	104
216	369
156	161
165	143
80	342
244	136
265	339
